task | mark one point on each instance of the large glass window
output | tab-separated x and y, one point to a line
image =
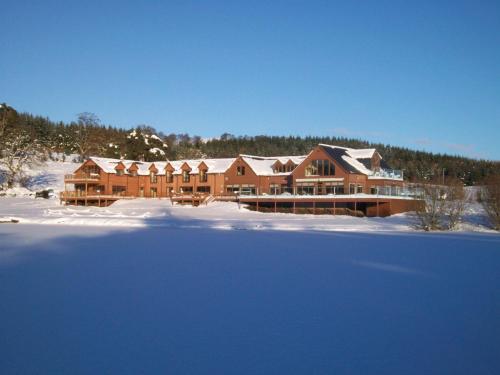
248	190
91	169
334	188
305	188
320	168
233	189
118	190
240	170
153	193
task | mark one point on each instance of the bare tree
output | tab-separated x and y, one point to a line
84	134
430	212
442	205
18	151
454	202
490	199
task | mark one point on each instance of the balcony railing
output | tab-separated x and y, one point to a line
395	174
94	195
82	177
337	191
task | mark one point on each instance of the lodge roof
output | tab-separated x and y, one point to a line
352	160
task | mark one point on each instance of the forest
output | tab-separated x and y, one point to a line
26	137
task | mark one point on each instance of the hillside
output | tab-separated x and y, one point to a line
88	136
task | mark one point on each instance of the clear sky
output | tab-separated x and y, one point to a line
422	74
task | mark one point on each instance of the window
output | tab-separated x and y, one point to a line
186	189
185	176
170	177
274	189
203	176
133	173
141	192
352	188
91	169
119	172
248	190
305	188
203	189
320	168
359	189
334	188
233	189
153	193
153	177
119	190
240	170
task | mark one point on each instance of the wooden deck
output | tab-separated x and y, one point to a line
82	199
345	204
356	205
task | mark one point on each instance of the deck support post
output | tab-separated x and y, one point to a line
294	206
257	205
274	205
314	208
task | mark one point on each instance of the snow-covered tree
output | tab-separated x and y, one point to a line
18	151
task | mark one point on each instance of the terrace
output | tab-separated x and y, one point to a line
82	177
393	174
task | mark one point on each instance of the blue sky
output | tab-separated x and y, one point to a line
424	75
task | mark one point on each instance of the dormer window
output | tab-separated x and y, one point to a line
119	172
203	175
240	170
133	173
185	176
170	177
153	177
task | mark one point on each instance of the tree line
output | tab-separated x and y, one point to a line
25	138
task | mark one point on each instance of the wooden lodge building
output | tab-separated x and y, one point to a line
330	179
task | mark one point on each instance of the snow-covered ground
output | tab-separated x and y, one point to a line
171	300
49	175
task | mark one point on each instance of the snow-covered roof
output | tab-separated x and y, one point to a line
108	165
214	165
350	158
353	160
264	165
218	165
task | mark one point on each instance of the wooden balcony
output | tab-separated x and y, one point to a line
82	177
68	195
